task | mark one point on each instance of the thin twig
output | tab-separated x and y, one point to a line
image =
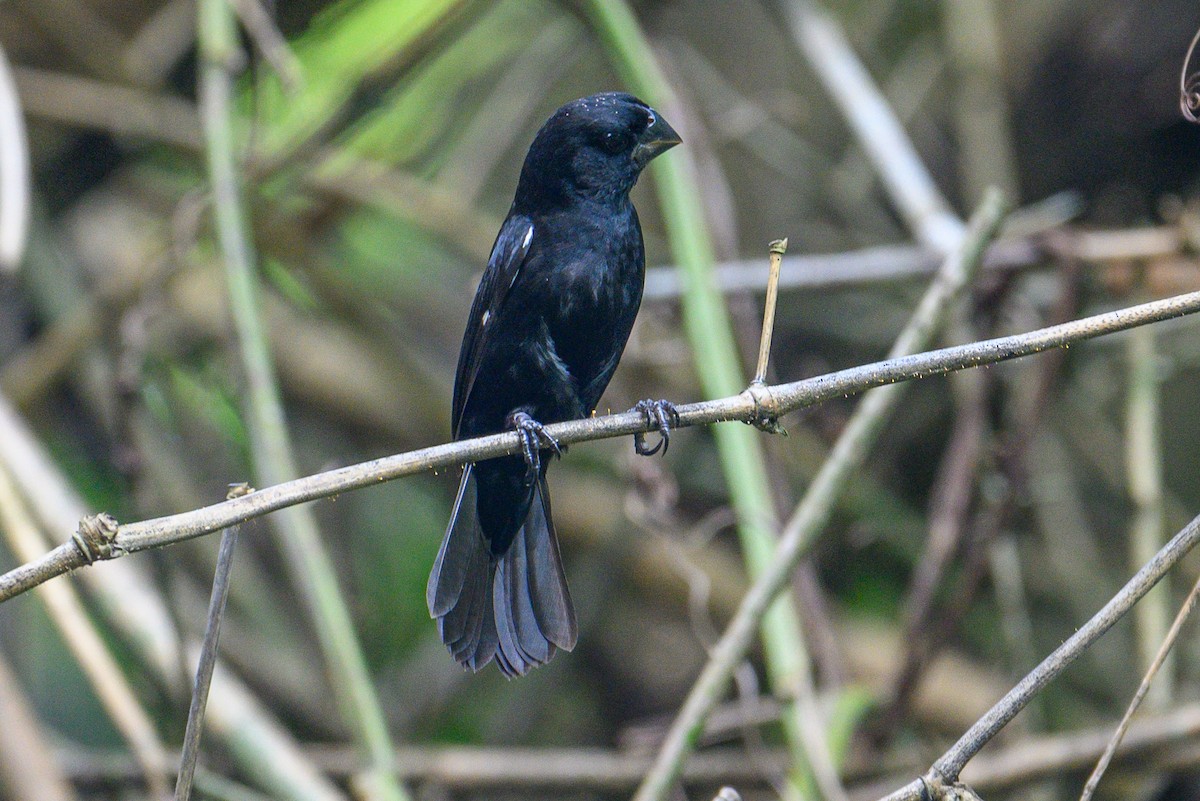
208	655
777	249
819	271
270	43
907	262
1168	642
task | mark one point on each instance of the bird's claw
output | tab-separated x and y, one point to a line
663	415
534	439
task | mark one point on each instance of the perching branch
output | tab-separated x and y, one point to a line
785	398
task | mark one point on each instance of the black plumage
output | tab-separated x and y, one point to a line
549	323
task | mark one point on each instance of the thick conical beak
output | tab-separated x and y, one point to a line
657	138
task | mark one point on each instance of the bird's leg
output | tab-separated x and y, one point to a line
533	439
658	413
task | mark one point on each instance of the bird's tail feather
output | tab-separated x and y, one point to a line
516	608
534	614
459	590
456	556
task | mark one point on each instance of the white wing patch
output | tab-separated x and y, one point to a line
487	315
524	249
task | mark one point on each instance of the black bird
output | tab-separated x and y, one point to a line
550	319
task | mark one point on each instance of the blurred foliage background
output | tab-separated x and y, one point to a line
375	187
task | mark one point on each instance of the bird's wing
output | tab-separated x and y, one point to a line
508	254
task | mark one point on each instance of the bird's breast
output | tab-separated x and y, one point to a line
603	279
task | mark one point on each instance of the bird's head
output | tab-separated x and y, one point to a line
594	147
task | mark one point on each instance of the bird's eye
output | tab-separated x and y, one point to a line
612	143
651	119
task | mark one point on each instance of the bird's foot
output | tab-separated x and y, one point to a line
658	413
534	440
